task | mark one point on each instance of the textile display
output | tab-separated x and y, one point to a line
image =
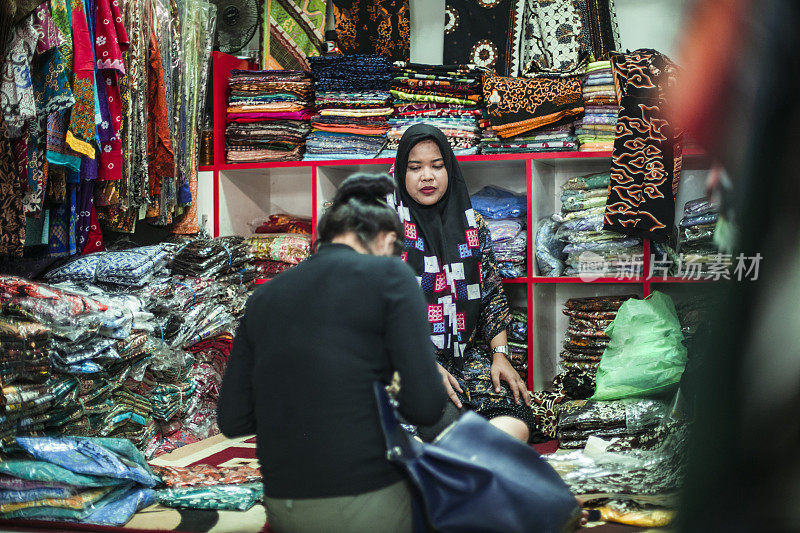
644	181
520	105
268	115
580	419
295	33
352	107
374	27
574	241
596	131
447	97
484	33
450	249
547	139
97	480
508	235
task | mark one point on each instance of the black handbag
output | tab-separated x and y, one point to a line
476	478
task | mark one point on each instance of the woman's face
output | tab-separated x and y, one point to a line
426	175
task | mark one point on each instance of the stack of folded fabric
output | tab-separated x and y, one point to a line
223	258
352	107
588	247
291	248
548	139
24	351
518	341
268	114
586	340
505	215
275	224
134	267
522	106
596	130
578	420
76	479
447	97
209	487
696	248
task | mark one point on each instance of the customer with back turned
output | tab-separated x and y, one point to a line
310	345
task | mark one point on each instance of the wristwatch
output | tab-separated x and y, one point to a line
503	349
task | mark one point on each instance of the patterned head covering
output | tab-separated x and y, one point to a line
441	245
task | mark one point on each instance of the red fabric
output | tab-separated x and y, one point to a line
231	453
545	448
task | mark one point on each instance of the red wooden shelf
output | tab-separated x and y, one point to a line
515	280
672	279
575	279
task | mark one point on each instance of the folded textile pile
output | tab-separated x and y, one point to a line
274	224
207	487
580	419
89	480
288	248
589	249
447	97
585	341
24	351
697	253
518	341
133	267
268	115
547	139
596	131
505	215
353	106
520	105
223	258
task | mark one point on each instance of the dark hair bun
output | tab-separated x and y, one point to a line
368	188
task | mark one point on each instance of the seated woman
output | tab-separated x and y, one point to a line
448	245
310	345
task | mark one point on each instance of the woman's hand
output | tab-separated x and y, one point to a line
502	370
450	385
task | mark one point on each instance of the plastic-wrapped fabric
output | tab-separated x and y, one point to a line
219	497
632	414
583	213
575	203
589	223
206	475
509	270
512	250
285	247
597	303
582	194
578	237
118	508
74	507
590	315
697	233
134	267
504	229
646	355
19	496
698	207
496	203
24	351
589	181
601	246
549	250
106	457
708	218
635	514
207	258
655	475
283	223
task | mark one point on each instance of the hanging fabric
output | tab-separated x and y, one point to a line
295	33
374	27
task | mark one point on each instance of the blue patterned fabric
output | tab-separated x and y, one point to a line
129	267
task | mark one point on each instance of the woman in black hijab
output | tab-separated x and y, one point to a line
448	245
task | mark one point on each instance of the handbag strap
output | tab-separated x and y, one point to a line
399	445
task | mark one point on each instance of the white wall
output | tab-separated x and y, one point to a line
427	31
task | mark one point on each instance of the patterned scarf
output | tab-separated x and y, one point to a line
441	245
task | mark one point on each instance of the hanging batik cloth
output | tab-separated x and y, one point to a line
81	125
553	38
485	33
601	30
374	27
647	158
295	33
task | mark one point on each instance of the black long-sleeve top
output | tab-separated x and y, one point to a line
310	344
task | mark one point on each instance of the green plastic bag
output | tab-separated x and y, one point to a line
645	356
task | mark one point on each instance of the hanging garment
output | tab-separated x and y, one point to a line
485	33
12	216
553	40
647	158
599	17
518	105
295	33
81	126
374	27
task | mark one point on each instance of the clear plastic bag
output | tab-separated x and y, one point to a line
494	203
549	250
219	497
589	181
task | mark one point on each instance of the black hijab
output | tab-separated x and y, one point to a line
448	231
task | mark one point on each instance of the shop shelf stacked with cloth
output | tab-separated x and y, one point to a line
556	139
445	96
585	342
588	248
596	131
268	115
353	106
